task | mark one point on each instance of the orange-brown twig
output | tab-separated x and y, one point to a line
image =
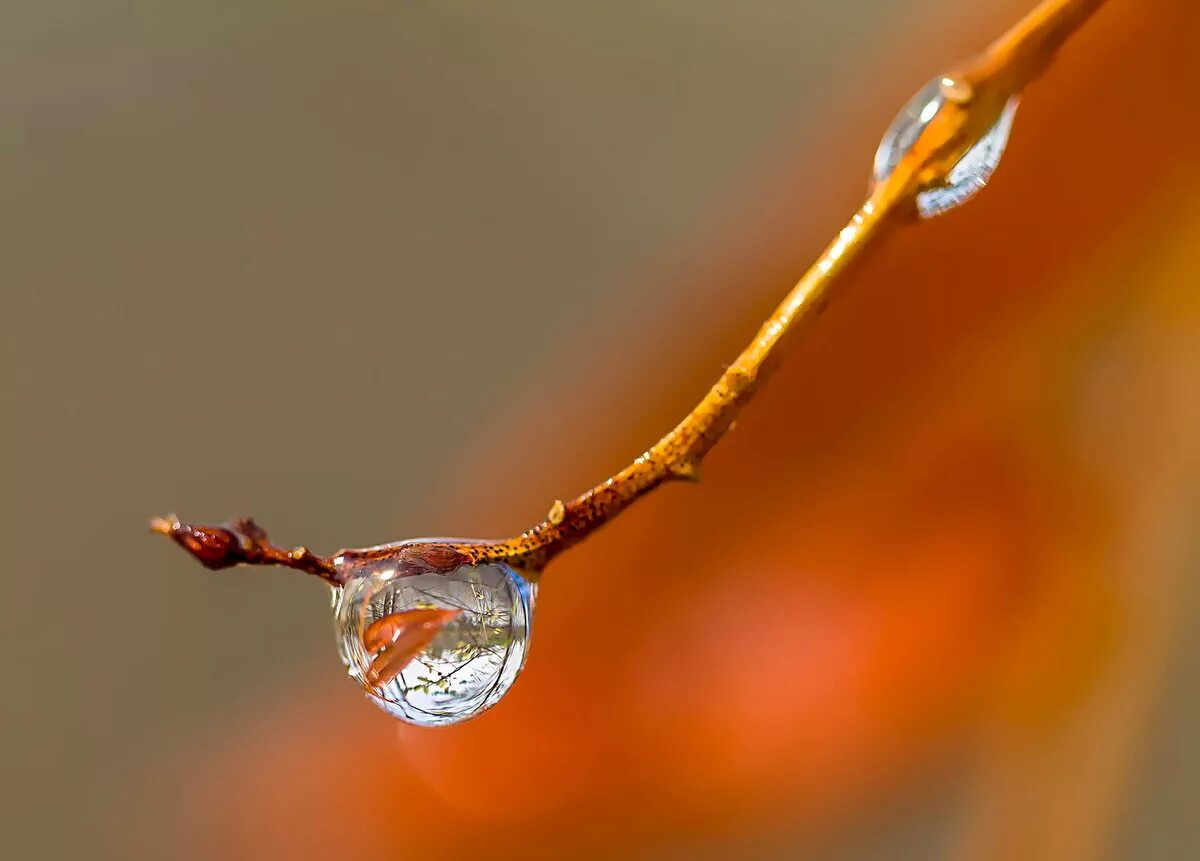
240	542
1001	72
978	95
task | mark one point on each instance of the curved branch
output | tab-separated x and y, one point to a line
973	105
1014	60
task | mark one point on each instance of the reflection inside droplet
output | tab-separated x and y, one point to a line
972	171
434	648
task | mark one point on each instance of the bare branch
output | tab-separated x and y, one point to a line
975	99
240	542
987	85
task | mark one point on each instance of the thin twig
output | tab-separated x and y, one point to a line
980	92
240	542
1012	62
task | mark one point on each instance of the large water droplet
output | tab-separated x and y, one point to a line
430	647
972	171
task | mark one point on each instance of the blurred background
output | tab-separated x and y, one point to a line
372	270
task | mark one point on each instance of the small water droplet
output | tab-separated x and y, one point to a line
433	648
973	170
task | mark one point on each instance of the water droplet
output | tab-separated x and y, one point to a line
432	647
973	170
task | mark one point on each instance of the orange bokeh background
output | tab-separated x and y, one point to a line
946	547
373	269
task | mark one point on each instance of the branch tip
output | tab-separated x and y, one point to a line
240	542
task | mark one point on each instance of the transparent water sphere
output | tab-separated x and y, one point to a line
973	170
433	648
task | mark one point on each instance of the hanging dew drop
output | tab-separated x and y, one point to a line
973	170
432	647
